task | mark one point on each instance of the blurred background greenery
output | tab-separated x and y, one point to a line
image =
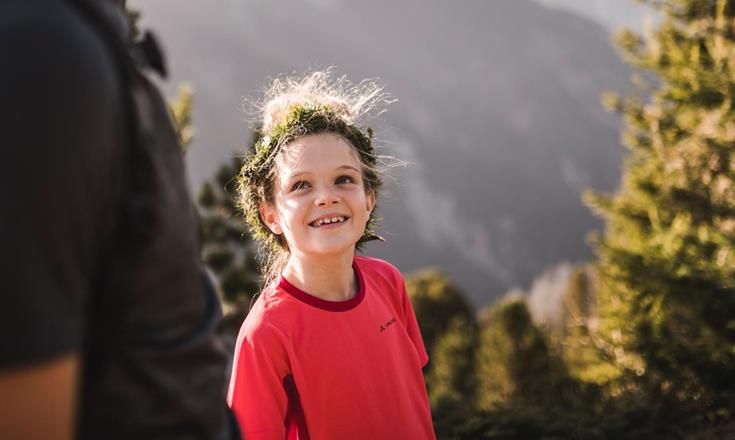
644	344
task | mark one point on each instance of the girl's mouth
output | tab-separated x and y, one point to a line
328	221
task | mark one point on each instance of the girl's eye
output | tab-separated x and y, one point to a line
344	179
301	184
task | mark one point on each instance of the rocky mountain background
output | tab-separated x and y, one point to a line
498	115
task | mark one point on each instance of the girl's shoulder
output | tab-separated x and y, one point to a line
375	264
377	269
273	307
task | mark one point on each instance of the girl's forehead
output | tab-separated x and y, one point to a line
316	152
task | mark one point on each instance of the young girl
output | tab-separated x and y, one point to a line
331	348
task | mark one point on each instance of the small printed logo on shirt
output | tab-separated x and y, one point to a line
383	327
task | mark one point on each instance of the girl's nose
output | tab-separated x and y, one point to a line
326	197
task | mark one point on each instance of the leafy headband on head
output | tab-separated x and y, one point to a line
256	176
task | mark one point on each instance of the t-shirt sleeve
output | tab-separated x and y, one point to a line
412	325
257	393
61	125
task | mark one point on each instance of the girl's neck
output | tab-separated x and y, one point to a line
327	278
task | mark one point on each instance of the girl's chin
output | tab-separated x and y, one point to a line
334	250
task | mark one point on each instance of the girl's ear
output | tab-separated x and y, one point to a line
370	199
270	217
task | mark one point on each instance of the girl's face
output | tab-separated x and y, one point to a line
320	204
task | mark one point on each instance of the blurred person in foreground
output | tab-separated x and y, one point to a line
107	321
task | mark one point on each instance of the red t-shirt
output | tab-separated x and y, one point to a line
309	368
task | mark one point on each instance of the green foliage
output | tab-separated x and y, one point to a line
515	364
581	347
450	333
180	110
436	301
226	247
667	259
450	376
523	387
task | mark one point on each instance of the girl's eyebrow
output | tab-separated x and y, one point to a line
341	167
300	173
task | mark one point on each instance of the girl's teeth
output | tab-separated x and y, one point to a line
329	220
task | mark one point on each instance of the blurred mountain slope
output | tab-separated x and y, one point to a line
499	116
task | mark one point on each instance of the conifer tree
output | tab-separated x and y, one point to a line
578	342
180	110
227	249
226	245
515	365
451	374
436	301
449	330
667	258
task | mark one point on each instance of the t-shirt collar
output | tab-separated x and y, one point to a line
331	306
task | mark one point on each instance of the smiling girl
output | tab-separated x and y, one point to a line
331	348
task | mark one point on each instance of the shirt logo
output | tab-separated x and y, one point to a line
383	327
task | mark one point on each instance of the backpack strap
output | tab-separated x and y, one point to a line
137	220
136	223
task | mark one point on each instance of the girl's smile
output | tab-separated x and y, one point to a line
328	220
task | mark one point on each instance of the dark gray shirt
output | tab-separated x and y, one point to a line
98	232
